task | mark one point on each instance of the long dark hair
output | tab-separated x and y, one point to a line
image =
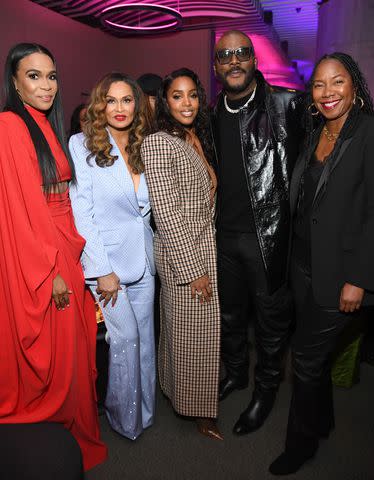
167	123
13	103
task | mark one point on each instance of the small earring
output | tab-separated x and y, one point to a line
361	100
316	112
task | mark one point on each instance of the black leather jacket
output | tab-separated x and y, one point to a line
270	137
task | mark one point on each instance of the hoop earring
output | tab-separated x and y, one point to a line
315	113
361	100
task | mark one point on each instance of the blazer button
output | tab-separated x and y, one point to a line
314	221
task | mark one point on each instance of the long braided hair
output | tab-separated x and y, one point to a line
359	84
315	123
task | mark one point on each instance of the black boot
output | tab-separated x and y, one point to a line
228	384
257	412
292	460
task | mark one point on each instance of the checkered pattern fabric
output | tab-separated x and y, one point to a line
189	350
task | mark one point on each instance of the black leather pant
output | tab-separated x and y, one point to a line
317	332
241	273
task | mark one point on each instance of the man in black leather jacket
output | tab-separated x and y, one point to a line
256	142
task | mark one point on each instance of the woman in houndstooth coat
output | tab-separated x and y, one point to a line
182	186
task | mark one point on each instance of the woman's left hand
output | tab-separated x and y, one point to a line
350	298
201	289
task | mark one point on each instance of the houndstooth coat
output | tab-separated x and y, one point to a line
185	249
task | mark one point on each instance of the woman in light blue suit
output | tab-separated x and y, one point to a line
112	212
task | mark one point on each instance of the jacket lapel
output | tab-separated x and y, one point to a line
295	182
143	185
299	170
198	163
324	174
121	174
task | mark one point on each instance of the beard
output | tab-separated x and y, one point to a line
241	87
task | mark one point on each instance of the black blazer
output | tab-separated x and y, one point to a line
342	220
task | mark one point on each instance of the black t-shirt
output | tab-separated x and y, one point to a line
301	224
235	211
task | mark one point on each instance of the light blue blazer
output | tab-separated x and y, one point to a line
118	234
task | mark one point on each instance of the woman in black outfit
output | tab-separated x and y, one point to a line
332	261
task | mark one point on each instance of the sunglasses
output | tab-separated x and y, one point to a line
243	54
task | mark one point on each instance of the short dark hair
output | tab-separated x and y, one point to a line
75	122
167	123
236	32
150	83
13	103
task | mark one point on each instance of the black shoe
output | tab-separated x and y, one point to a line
256	413
291	461
228	385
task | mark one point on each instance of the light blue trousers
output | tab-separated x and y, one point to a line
130	399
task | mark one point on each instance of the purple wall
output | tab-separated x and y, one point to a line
82	53
85	54
347	26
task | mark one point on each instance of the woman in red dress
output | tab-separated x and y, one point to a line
47	318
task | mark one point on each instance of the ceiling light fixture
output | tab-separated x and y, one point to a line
109	14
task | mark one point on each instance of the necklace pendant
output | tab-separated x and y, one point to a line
331	137
237	110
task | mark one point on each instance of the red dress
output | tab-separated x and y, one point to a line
47	357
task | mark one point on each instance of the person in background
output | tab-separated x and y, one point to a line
256	139
78	118
182	187
332	261
112	212
48	325
150	83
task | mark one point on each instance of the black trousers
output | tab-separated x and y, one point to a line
313	344
39	451
241	274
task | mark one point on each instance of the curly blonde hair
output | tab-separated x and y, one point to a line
97	138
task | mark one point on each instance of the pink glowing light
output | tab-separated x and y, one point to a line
272	62
161	9
127	27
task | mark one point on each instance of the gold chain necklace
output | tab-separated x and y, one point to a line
331	137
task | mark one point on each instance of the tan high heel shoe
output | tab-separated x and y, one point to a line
208	427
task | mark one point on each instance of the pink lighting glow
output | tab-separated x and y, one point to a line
162	11
274	65
197	14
